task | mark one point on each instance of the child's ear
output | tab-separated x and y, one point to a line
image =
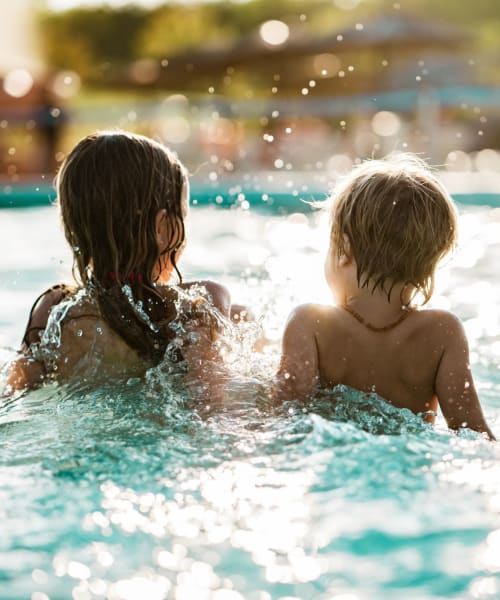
346	255
161	227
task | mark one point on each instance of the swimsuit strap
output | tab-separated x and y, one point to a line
65	291
358	317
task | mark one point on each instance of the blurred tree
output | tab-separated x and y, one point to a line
86	39
172	29
177	27
96	41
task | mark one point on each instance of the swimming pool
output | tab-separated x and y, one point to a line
129	493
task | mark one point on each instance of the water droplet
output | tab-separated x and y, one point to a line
79	333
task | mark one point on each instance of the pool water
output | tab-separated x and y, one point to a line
130	492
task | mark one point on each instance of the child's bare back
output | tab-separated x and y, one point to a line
421	359
67	338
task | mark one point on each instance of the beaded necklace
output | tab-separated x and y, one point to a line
358	317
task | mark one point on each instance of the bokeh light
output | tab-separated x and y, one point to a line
457	160
176	130
488	160
66	84
18	83
386	123
145	71
339	163
326	65
274	33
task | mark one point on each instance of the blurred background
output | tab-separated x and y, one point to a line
243	87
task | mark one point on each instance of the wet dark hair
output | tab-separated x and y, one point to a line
110	189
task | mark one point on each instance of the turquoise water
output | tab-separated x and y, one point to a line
132	492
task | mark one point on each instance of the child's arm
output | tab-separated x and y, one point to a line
454	384
26	372
298	375
219	295
222	301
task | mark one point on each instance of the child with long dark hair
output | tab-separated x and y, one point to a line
123	200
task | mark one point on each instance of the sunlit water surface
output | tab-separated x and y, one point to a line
133	493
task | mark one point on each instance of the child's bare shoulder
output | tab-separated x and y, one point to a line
218	294
311	316
441	327
41	310
442	321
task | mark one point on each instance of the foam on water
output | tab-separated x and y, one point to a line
133	491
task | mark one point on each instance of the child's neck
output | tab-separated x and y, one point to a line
375	304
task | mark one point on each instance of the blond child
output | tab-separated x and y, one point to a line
124	202
391	224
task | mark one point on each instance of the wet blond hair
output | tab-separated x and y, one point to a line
400	222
